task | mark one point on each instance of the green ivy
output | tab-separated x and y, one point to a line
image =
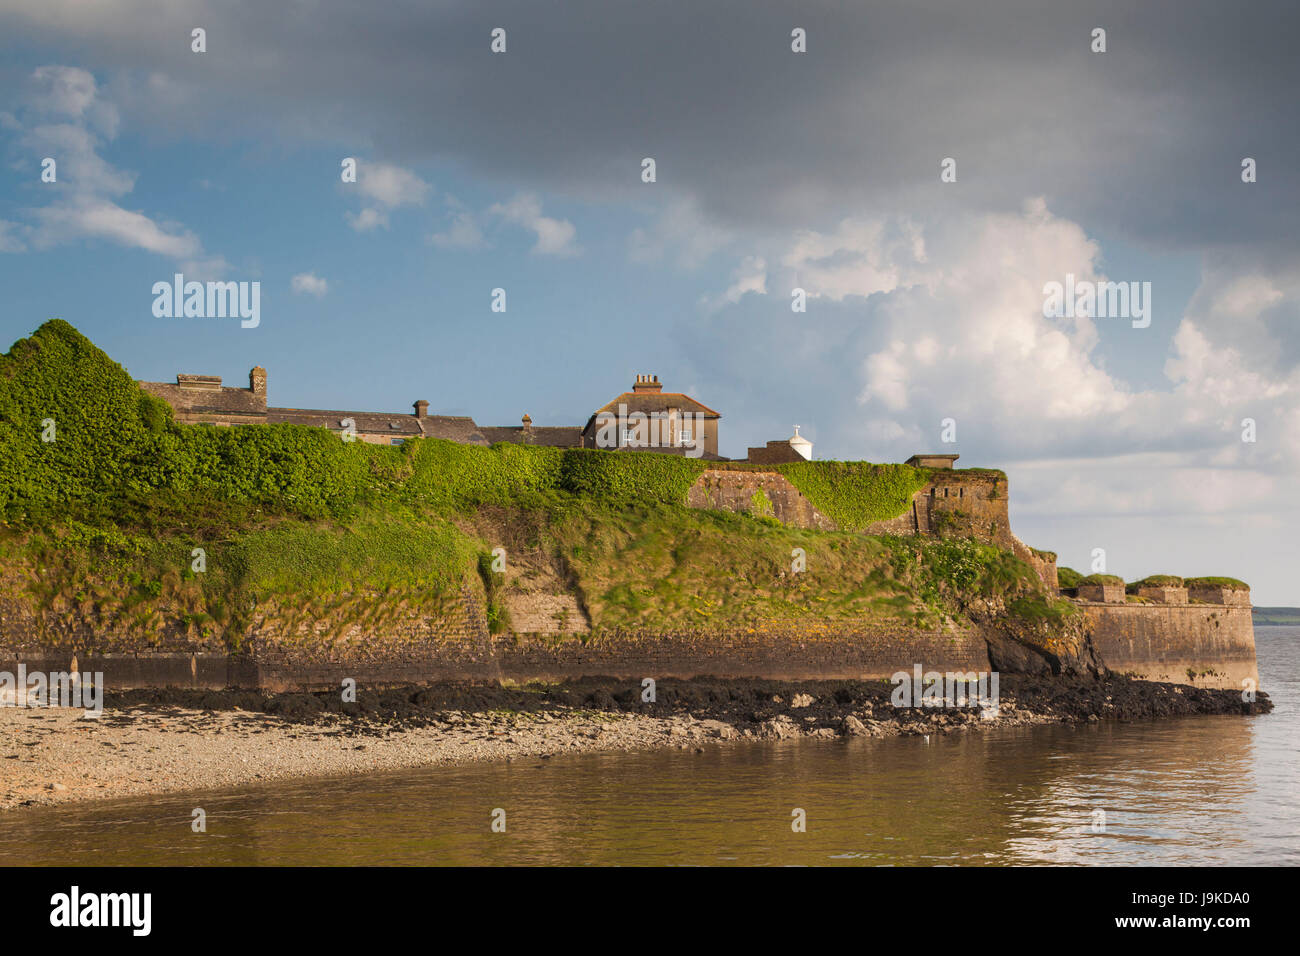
117	447
856	494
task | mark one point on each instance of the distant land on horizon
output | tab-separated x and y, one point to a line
1277	615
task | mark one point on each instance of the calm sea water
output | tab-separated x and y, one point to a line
1192	791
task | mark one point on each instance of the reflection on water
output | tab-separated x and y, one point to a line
1190	791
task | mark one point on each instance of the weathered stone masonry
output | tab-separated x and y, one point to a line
1210	645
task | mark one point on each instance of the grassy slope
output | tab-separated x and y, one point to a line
103	521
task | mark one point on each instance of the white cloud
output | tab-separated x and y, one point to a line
308	283
861	257
555	237
85	218
71	92
749	276
952	326
67	120
391	185
386	187
464	231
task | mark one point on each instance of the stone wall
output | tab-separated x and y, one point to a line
955	503
149	668
1203	644
779	652
1163	594
744	491
1102	593
453	644
1233	597
774	453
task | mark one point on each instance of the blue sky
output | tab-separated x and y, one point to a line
775	169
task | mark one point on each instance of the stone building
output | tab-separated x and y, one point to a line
556	436
204	400
794	448
932	461
650	419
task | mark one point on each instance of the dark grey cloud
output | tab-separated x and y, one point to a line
1144	141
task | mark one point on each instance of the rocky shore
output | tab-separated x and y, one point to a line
148	742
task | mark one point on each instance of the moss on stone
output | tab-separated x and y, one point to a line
1228	584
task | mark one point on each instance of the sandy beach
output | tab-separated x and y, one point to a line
57	755
161	742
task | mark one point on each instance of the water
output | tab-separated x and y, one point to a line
1192	791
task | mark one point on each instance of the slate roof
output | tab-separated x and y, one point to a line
457	428
657	402
554	436
219	401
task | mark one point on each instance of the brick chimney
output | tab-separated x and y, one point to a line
647	383
421	409
257	382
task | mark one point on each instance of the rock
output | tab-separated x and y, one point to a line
854	727
778	727
803	700
1010	656
55	787
719	729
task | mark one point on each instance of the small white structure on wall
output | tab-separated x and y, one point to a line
801	445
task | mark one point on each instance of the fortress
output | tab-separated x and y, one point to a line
1164	631
1174	634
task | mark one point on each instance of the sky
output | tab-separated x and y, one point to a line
774	170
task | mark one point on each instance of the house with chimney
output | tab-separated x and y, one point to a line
204	400
644	419
650	419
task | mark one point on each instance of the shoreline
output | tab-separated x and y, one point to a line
149	743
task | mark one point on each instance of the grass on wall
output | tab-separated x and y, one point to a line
1068	577
1101	579
1228	584
856	494
706	569
1155	581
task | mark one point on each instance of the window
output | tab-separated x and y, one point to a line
685	435
396	441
